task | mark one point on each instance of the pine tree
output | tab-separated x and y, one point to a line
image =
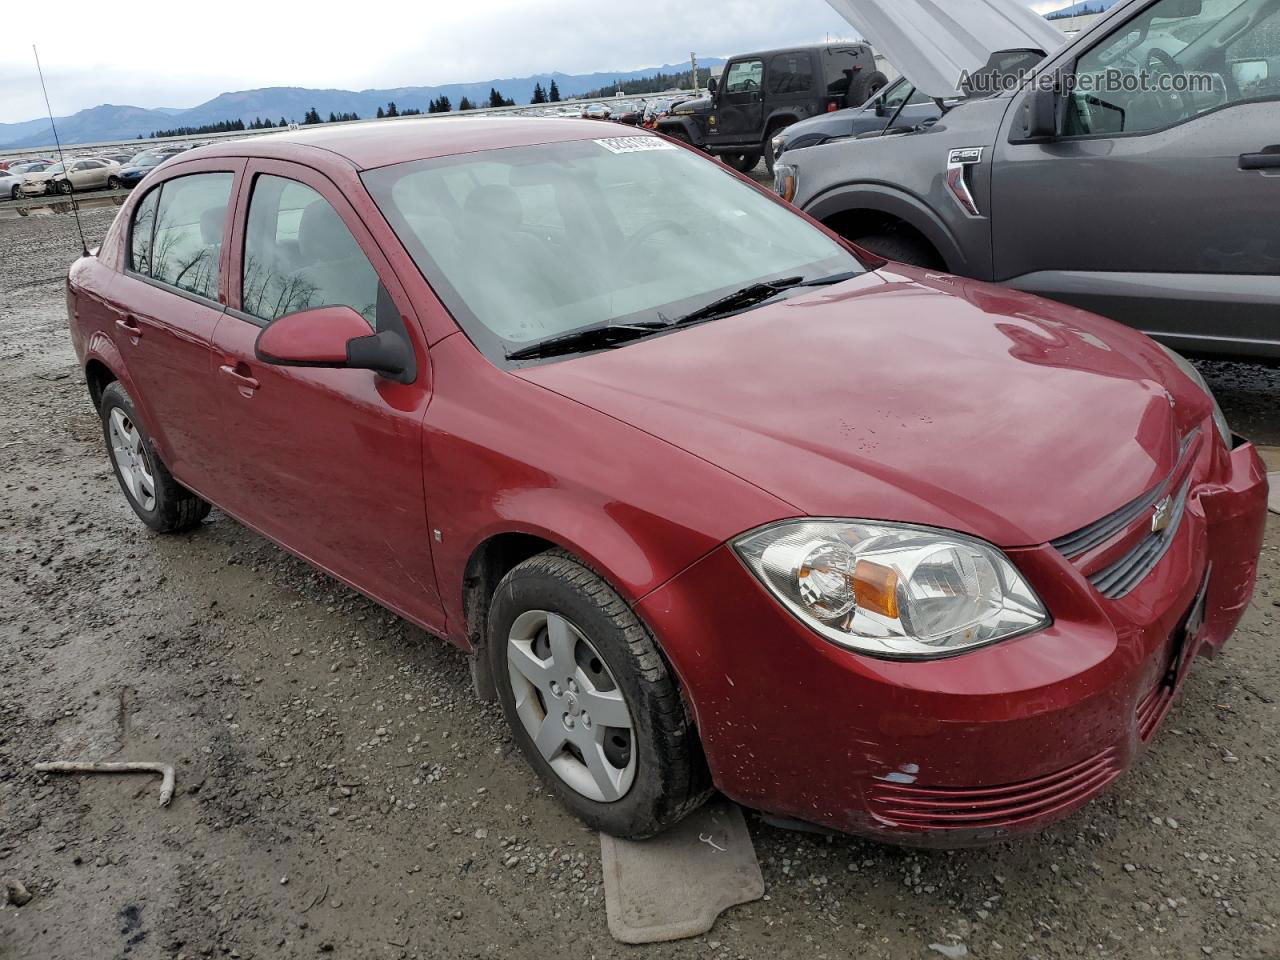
283	122
465	104
391	109
496	99
381	113
554	94
333	117
444	106
539	95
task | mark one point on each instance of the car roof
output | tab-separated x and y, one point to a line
380	143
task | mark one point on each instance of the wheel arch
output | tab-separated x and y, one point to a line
872	207
685	126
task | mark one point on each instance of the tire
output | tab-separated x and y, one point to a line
15	193
655	769
677	133
742	162
865	86
64	186
170	507
113	183
902	248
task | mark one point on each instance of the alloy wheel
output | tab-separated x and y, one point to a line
131	459
571	706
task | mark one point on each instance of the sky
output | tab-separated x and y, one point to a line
180	55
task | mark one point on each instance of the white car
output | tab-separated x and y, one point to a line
10	185
88	173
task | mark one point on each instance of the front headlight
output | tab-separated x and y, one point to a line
784	181
1185	365
890	590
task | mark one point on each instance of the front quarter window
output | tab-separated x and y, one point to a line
526	244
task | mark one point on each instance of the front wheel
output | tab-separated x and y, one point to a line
160	502
64	186
113	183
590	701
15	193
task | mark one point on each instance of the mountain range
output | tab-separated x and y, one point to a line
1082	8
112	122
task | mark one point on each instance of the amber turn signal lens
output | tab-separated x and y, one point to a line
875	587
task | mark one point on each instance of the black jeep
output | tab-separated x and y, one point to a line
760	93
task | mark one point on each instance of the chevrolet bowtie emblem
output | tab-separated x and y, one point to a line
1162	516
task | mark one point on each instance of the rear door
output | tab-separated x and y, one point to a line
327	462
739	112
165	306
1158	207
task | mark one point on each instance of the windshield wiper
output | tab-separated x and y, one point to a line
612	334
588	338
755	294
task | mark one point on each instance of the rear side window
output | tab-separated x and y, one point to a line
187	238
140	233
790	73
839	66
298	254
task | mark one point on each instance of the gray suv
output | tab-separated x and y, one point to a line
1135	173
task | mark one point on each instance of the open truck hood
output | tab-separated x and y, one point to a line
934	42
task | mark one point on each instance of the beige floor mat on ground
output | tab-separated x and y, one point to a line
675	885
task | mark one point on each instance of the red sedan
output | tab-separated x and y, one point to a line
710	497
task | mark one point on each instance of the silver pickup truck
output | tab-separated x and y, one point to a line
1134	172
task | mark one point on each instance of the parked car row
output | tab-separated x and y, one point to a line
35	177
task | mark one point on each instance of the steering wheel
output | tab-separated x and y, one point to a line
633	242
748	85
1171	101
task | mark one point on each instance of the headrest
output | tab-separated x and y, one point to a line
497	204
322	236
211	223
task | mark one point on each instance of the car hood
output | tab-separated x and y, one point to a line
908	396
935	42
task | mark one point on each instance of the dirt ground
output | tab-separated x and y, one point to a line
341	792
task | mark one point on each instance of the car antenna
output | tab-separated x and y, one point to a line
75	207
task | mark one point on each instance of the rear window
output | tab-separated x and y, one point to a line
838	67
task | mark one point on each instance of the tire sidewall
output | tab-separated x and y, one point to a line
537	590
115	396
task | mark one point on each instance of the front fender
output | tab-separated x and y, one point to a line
887	199
682	127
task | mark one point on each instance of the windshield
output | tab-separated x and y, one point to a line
529	243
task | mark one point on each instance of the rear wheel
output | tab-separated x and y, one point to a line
766	145
590	701
160	502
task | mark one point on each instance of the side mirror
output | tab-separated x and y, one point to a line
712	86
1040	114
335	337
880	110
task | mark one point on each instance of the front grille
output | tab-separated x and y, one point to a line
1080	542
975	808
1118	578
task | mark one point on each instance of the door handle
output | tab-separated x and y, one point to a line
1268	159
239	373
129	324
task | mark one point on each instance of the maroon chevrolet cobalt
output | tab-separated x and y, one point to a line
711	498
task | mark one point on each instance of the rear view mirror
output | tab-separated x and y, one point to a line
335	337
1040	114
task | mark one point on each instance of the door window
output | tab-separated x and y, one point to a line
187	241
141	231
298	254
744	76
790	73
1178	59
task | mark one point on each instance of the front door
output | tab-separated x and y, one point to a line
327	462
1158	204
739	110
174	282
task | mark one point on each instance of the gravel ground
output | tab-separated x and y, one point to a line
340	792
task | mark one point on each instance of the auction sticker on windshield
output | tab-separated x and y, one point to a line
634	144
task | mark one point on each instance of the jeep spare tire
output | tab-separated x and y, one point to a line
865	86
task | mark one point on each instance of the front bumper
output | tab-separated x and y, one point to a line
999	741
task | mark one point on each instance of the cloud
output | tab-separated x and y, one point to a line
182	55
